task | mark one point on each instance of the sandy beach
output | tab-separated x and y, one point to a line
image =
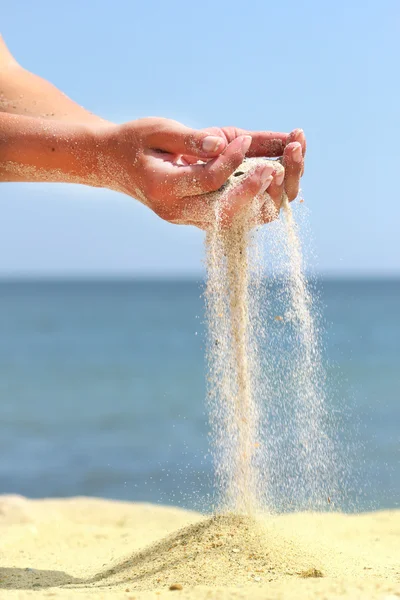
93	548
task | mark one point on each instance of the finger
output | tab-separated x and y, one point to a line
216	172
175	138
243	195
264	143
297	135
201	178
293	163
199	211
275	190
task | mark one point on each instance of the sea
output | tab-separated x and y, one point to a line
102	390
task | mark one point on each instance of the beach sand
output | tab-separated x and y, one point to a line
92	548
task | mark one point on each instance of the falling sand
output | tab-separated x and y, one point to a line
245	386
234	414
232	354
272	450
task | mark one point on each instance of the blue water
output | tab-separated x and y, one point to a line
102	390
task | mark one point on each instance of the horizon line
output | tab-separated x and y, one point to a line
124	277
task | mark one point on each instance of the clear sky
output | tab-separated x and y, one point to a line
331	68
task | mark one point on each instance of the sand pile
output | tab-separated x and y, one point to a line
64	549
222	550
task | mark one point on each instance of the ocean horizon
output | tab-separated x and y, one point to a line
102	388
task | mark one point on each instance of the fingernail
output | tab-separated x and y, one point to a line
246	143
297	154
266	184
280	177
211	143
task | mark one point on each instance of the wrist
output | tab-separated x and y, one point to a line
117	152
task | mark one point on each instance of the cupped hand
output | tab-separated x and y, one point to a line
171	168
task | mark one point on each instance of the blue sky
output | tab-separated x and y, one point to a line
328	67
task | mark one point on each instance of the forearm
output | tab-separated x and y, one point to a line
28	94
34	149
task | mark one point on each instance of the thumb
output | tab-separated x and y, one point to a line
178	139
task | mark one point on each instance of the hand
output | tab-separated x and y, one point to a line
292	148
158	161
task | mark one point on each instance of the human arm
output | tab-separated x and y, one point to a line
34	149
45	136
154	160
27	94
134	158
